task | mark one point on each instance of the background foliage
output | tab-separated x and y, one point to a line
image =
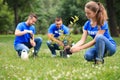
12	12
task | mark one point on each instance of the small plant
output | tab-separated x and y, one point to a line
67	38
74	19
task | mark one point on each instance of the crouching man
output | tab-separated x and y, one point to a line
54	32
24	36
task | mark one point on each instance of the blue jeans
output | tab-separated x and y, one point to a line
26	46
52	47
103	47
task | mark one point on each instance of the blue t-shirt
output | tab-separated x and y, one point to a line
26	37
92	31
57	31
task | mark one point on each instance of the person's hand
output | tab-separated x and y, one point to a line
32	42
29	31
66	47
61	43
75	49
67	50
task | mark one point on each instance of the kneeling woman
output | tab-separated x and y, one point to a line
97	28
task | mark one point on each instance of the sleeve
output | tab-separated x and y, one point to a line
19	27
66	30
50	29
105	26
33	29
85	27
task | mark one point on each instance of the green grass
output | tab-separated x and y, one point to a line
47	68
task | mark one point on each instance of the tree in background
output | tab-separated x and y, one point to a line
71	8
47	10
18	7
6	19
74	8
117	13
112	17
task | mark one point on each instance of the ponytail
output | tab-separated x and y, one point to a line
101	15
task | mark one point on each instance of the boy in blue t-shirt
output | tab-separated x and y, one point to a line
54	31
24	36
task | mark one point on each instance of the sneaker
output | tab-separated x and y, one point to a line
99	62
53	55
68	55
35	55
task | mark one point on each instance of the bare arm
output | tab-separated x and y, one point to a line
91	43
20	33
87	45
32	40
51	37
79	43
82	40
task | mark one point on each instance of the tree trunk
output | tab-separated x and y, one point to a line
16	20
112	18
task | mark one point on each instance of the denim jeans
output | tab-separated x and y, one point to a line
103	47
26	46
52	47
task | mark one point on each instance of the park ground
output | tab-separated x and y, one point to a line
47	68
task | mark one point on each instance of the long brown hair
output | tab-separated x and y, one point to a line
98	8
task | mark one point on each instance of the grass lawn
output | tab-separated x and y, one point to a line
47	68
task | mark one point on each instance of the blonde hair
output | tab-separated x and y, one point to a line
98	8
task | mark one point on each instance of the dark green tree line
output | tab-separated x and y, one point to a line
48	10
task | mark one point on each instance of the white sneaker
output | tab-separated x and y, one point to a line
68	55
53	55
